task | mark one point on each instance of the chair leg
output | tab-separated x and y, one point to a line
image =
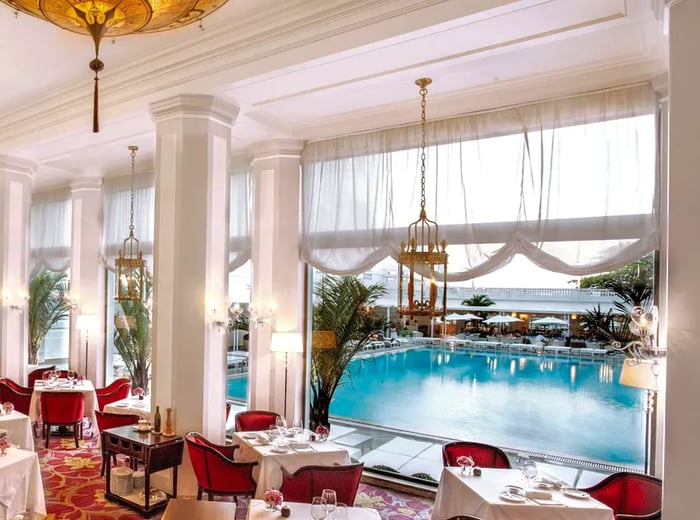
47	434
199	493
76	429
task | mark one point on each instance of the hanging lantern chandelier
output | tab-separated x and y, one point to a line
110	18
131	267
423	256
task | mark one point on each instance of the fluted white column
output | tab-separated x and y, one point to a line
190	271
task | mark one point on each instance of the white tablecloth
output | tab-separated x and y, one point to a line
19	429
257	511
458	495
62	385
130	405
20	484
268	473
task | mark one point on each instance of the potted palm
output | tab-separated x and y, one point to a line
344	307
45	308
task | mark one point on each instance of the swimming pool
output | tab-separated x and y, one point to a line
557	405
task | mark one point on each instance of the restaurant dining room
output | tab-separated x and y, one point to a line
243	246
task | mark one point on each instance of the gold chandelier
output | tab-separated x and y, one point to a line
110	18
425	261
131	267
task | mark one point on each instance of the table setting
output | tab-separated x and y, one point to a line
54	384
20	483
318	509
17	426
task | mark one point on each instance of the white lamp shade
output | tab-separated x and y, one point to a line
286	342
645	374
86	322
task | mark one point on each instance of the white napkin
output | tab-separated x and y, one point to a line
533	493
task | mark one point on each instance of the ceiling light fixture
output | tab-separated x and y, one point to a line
131	267
110	18
425	262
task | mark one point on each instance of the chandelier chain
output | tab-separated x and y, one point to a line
423	93
133	174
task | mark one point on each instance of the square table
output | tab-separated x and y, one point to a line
131	405
258	511
19	429
63	385
479	496
268	473
20	484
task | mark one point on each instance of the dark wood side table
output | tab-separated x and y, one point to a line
155	452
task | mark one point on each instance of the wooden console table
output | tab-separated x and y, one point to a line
154	452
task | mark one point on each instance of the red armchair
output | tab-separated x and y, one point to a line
216	471
62	409
308	482
18	395
115	391
255	420
112	420
630	495
484	455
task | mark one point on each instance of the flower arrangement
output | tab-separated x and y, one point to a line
80	378
465	461
4	442
273	498
322	432
7	408
139	392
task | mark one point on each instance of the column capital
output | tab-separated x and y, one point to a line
276	149
17	165
660	84
195	107
86	184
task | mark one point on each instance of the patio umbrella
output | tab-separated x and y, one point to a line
454	317
470	316
549	320
501	319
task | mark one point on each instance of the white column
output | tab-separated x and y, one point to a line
87	279
15	206
190	271
682	457
277	274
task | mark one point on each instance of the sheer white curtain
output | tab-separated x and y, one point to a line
116	207
50	233
571	184
240	208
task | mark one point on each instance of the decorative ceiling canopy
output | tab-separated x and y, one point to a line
110	18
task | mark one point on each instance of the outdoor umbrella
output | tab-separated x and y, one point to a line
454	316
501	319
470	316
549	320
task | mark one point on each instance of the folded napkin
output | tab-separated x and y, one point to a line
533	493
262	439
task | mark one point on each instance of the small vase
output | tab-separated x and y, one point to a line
141	397
3	452
464	470
270	506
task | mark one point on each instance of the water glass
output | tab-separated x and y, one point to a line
329	497
318	508
341	511
529	471
281	425
71	376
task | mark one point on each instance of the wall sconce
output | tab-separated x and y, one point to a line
14	300
232	313
260	314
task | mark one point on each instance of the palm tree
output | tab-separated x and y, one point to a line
343	307
132	337
479	300
46	307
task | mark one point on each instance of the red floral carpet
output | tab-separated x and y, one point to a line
75	491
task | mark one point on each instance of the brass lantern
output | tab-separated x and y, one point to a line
423	255
131	267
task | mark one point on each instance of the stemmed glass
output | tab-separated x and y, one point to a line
71	376
281	424
318	508
297	428
329	497
341	512
54	376
529	471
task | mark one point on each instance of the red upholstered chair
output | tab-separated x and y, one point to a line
484	455
255	420
112	420
631	494
216	471
38	374
115	391
62	409
309	481
18	395
464	517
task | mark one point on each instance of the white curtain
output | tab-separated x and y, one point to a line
50	234
240	208
571	184
116	208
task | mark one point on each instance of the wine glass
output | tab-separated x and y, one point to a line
329	497
281	424
54	376
341	511
297	428
71	376
529	471
318	508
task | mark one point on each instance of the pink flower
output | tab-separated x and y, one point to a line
8	407
5	443
465	460
273	498
138	391
80	377
322	430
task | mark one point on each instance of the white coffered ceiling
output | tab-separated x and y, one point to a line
309	69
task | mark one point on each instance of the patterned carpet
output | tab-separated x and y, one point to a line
75	491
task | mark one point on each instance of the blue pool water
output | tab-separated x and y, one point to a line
559	405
